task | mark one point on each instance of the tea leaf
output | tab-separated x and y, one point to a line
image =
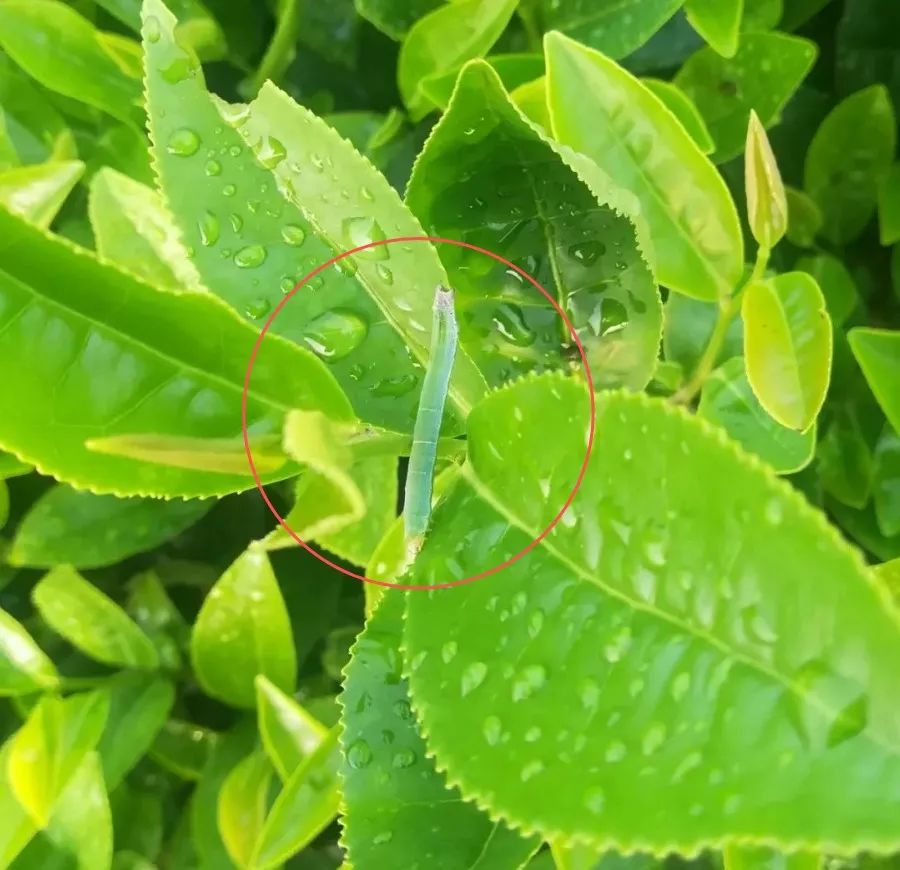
66	53
805	220
514	70
568	231
395	17
306	804
242	805
628	132
889	207
844	170
681	106
288	732
38	192
845	461
762	76
653	609
45	753
133	230
443	41
24	668
689	324
886	482
159	374
396	803
766	201
836	283
87	531
243	630
718	22
728	401
615	27
184	749
878	353
787	342
91	621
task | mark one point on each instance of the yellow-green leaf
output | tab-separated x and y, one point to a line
766	200
242	805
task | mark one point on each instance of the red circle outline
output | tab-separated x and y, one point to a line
587	373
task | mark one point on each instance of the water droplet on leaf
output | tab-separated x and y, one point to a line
183	142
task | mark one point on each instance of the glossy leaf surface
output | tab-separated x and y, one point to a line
630	134
682	107
242	806
24	668
566	230
632	634
38	192
718	22
878	353
766	201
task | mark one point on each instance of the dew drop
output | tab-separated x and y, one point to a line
366	194
535	623
363	231
595	800
271	152
404	758
533	734
384	274
402	710
257	308
615	751
382	838
250	257
587	252
359	754
235	150
589	693
237	222
335	334
473	676
293	235
653	738
492	730
235	114
209	229
213	168
399	385
151	29
183	142
229	190
448	651
179	69
531	770
510	322
317	163
529	680
287	284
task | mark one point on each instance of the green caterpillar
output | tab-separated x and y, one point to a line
420	475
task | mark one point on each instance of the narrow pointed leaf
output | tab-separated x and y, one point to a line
160	373
636	140
682	649
242	805
396	803
718	22
90	620
567	230
787	343
243	630
681	106
38	192
24	668
766	200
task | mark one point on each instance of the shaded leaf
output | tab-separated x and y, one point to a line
38	192
242	805
805	220
845	460
836	283
24	668
889	207
878	353
886	482
395	17
718	22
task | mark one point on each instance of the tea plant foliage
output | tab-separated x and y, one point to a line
695	662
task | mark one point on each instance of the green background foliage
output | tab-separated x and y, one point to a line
698	667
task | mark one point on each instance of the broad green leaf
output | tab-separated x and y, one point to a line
24	668
718	646
38	192
514	70
787	343
689	324
396	803
132	229
242	805
138	708
766	202
306	804
10	466
845	460
243	630
531	100
867	46
79	834
395	17
566	229
836	283
48	749
762	75
728	401
680	105
289	734
251	245
615	27
91	621
443	41
629	133
805	220
889	207
843	170
66	525
17	828
184	748
718	22
878	353
762	14
886	482
112	356
64	52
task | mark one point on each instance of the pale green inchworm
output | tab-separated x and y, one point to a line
420	475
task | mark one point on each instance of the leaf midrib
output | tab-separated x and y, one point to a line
484	492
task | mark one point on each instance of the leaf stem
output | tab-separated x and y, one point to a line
728	309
